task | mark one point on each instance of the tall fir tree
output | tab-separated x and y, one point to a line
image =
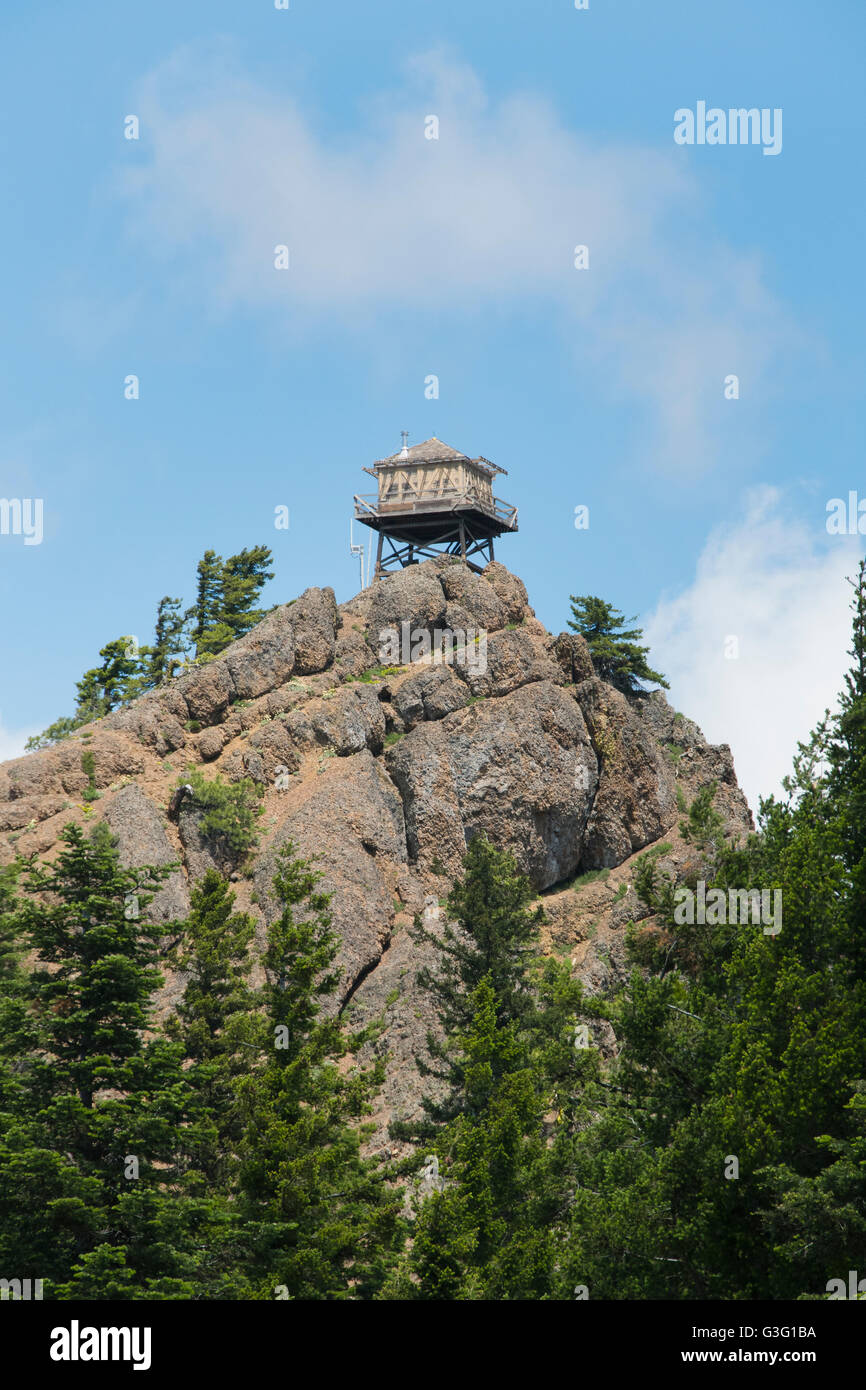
314	1218
479	1236
205	612
92	1121
225	606
169	642
742	1057
244	576
215	1021
491	932
109	685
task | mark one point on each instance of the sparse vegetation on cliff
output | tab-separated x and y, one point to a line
585	1090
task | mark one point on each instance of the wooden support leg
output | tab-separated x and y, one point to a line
379	556
462	541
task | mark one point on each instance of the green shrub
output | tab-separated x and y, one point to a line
649	888
705	826
230	812
88	767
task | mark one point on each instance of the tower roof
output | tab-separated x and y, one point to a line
434	450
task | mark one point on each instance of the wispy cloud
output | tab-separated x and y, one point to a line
376	217
767	582
12	741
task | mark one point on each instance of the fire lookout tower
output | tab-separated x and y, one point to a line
433	500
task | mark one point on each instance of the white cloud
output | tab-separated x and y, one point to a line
484	219
767	582
12	741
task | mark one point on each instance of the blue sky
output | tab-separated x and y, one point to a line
454	257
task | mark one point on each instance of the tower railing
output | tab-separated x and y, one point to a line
371	504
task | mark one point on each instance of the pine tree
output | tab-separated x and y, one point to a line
92	1122
473	1239
225	602
243	578
617	655
508	1057
228	814
495	933
169	642
314	1219
10	950
744	1046
223	611
490	932
205	612
214	641
117	680
16	1030
846	756
215	1022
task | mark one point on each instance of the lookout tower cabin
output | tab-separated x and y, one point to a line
432	500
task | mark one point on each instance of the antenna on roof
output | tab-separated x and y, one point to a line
404	453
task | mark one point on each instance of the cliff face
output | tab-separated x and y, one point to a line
386	776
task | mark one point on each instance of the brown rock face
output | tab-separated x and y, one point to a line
636	798
476	597
351	655
697	763
433	693
519	770
262	660
413	596
351	822
314	619
351	720
141	836
152	721
211	744
383	778
571	651
512	659
207	691
510	590
276	747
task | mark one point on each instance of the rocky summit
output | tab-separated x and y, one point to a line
384	774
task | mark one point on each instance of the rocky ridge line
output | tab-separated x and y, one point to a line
385	774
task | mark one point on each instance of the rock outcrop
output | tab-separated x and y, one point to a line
519	770
382	771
